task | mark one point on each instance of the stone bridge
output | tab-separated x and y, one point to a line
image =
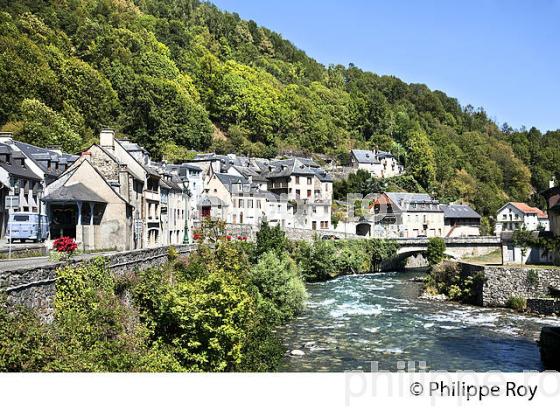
455	248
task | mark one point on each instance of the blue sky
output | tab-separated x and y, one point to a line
499	54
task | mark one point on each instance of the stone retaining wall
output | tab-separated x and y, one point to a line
544	306
36	287
503	282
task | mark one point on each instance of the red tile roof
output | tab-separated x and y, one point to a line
523	207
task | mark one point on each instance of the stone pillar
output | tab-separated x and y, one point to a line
91	209
79	230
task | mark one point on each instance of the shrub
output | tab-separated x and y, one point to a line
517	302
435	251
270	239
65	244
278	279
532	277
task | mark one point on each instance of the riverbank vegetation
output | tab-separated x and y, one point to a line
446	279
215	311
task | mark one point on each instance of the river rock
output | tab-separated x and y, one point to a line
309	345
432	297
297	352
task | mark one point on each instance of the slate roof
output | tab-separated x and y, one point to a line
71	193
250	172
404	200
36	154
364	156
20	171
459	211
16	169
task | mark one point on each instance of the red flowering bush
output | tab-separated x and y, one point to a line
65	244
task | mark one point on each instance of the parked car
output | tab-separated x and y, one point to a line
25	226
329	237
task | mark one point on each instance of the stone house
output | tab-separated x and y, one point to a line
84	205
380	164
306	186
518	215
25	170
17	180
191	175
414	214
173	208
460	221
241	202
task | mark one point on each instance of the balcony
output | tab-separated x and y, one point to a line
152	196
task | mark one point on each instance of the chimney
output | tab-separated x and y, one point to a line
6	137
107	138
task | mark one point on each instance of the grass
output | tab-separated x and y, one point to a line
493	258
517	302
31	253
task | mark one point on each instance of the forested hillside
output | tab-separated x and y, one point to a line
178	75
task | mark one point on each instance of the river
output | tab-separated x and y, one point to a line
354	320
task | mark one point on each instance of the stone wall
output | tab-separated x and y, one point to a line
544	306
297	234
36	287
503	282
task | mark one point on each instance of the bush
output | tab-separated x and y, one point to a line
270	239
446	279
517	302
436	251
532	277
65	244
278	279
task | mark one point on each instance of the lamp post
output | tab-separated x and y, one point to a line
186	194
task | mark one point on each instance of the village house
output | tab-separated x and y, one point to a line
414	214
460	221
17	180
25	170
83	205
518	215
192	181
242	202
380	164
173	207
306	186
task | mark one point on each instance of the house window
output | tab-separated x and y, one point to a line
314	209
298	193
324	225
241	204
309	193
258	204
250	203
309	181
297	180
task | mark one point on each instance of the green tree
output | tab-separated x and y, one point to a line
436	251
278	279
421	163
42	126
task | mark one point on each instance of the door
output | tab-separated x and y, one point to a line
205	212
314	225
